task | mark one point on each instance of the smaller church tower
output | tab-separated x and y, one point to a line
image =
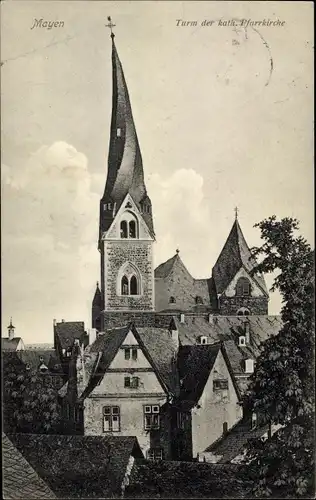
11	329
126	231
239	291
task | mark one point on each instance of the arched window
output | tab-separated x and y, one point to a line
124	286
132	229
243	287
133	286
198	300
123	232
172	300
243	311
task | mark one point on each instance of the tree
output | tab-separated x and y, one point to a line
281	391
29	404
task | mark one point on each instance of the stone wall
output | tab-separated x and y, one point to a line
139	254
229	305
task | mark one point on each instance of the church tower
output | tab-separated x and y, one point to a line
126	231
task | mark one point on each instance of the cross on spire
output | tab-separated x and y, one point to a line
236	212
110	25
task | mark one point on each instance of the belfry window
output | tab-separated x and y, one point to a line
129	286
133	286
124	287
123	232
243	287
132	229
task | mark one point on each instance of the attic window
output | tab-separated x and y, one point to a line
131	382
220	385
242	341
202	340
107	206
249	365
198	300
172	300
118	132
28	367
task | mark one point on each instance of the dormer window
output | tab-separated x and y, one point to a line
202	340
198	300
242	341
243	288
118	132
249	365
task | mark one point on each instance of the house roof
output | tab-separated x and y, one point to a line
36	357
234	442
155	343
164	269
68	331
9	345
234	255
20	479
224	328
79	466
195	362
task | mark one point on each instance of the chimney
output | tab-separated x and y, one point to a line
92	335
247	331
174	337
54	322
182	318
11	330
63	321
211	319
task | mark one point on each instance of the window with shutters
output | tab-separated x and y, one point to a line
111	419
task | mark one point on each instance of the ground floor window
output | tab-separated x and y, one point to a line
155	454
111	419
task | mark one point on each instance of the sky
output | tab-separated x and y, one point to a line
224	117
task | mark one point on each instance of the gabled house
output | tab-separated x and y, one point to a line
120	386
20	480
209	395
81	466
46	364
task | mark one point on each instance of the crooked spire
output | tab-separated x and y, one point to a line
125	167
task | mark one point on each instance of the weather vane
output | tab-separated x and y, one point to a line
236	212
110	25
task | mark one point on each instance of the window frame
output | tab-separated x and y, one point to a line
151	454
153	415
110	416
241	287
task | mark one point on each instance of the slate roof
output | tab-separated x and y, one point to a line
164	269
223	328
9	345
234	442
19	479
36	357
195	365
79	466
233	256
68	331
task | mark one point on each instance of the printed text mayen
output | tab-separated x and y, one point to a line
40	23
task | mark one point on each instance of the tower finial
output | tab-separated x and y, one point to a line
97	284
110	25
177	251
236	213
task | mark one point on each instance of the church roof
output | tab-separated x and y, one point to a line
97	299
125	167
234	255
9	345
20	480
164	269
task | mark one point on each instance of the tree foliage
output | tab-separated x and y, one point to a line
29	404
282	386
